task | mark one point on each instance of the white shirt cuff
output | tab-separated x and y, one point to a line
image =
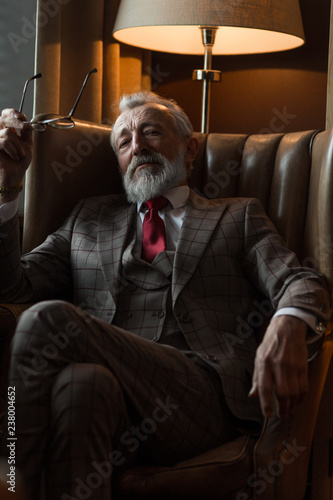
317	327
8	211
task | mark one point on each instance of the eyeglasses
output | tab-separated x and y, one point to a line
61	122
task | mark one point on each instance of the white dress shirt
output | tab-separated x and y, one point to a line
8	210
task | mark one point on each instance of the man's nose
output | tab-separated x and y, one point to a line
139	145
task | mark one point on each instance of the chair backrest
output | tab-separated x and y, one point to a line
291	174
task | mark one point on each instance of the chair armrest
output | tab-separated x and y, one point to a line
9	314
284	447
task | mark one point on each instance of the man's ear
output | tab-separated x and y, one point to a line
191	150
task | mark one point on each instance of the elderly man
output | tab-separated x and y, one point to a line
137	351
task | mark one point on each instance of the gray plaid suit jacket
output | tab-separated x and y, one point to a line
231	271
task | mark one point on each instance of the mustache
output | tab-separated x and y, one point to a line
145	158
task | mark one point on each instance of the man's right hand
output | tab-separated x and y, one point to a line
15	150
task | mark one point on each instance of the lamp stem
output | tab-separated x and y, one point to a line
206	91
207	74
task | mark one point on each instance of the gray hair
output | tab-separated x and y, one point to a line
179	118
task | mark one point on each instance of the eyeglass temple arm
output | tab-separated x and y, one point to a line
25	89
80	93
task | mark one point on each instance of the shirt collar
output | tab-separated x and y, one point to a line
177	196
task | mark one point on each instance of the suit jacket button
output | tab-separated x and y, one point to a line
159	314
211	357
184	318
320	327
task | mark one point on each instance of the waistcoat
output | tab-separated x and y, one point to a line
144	302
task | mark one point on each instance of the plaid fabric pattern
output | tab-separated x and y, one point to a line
86	390
228	257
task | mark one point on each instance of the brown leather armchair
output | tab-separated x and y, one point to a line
292	175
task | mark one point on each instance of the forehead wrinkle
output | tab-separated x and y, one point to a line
151	114
147	113
126	130
147	123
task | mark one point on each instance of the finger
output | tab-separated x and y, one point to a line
300	387
286	386
10	150
254	393
26	134
12	113
304	381
21	123
11	118
291	386
265	388
254	389
11	144
284	397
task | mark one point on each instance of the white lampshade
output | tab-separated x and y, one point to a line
245	27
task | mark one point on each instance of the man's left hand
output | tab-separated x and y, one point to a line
281	367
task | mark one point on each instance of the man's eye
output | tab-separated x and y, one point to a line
123	143
152	132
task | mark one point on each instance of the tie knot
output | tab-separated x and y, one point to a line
157	203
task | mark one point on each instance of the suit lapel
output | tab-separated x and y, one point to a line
200	220
114	226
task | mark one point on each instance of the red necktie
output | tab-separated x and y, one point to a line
153	229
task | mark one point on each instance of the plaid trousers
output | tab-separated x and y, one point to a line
93	399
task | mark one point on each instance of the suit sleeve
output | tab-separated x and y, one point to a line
41	274
275	270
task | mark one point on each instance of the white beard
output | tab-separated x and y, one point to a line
150	182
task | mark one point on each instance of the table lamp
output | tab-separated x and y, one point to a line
201	26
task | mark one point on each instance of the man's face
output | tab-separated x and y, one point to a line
151	156
145	129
